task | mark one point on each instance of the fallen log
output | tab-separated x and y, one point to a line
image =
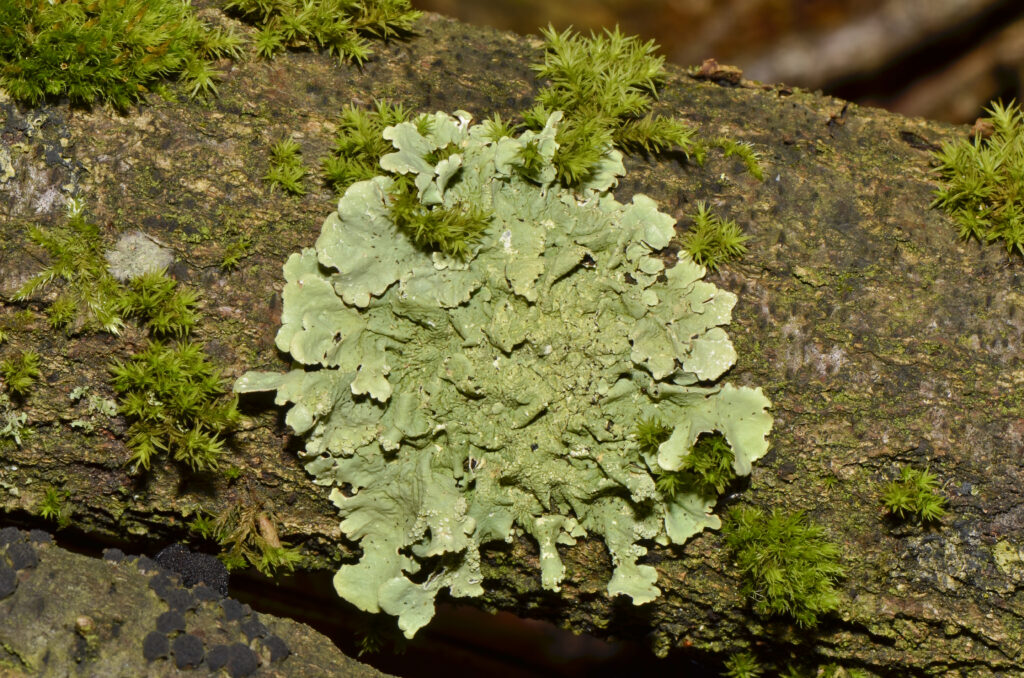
880	338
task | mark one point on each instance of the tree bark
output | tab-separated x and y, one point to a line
880	337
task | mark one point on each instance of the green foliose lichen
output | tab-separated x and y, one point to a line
455	401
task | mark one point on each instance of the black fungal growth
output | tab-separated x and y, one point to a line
254	628
22	556
233	609
277	647
188	651
8	579
155	646
241	661
170	621
15	554
195	568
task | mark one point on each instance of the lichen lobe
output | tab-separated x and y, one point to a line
453	402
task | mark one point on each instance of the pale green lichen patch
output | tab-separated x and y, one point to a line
136	254
454	401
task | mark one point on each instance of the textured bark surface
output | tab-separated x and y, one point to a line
879	336
72	614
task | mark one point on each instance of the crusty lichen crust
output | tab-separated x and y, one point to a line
453	402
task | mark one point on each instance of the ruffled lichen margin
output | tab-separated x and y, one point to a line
454	402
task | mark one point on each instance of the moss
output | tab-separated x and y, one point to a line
159	305
983	180
789	567
106	51
52	507
175	400
605	85
359	144
250	538
454	230
744	151
707	469
339	26
711	240
914	495
20	372
743	665
170	392
88	298
650	433
235	251
114	51
286	168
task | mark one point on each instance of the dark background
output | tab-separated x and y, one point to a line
940	59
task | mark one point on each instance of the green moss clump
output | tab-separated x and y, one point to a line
745	152
106	50
711	240
914	494
743	665
789	566
250	538
710	462
339	26
52	507
650	433
605	85
453	230
171	393
163	309
286	168
21	372
984	180
114	51
175	399
235	251
359	144
90	296
707	469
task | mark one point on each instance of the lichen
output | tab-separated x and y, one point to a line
135	254
454	401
